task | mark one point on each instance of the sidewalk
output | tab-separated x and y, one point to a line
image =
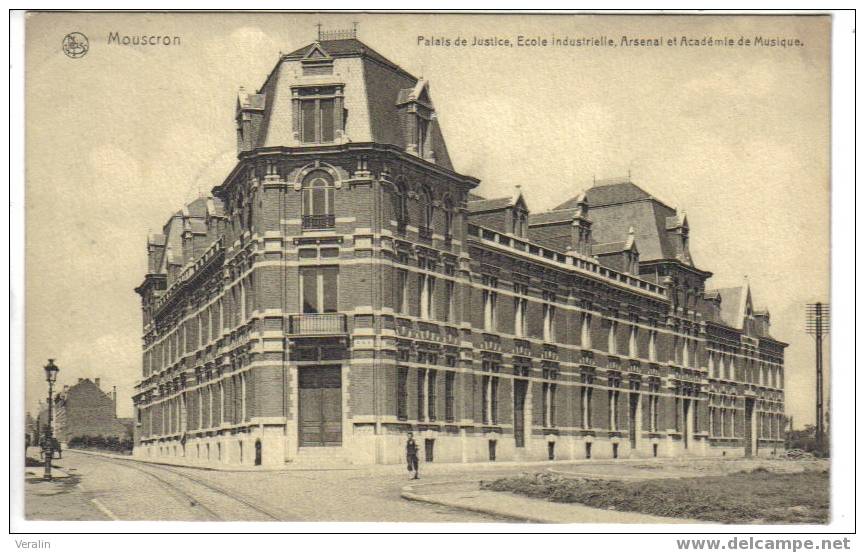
469	496
426	468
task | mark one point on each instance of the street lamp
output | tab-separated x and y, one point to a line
51	371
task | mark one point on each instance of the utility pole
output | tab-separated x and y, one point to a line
817	325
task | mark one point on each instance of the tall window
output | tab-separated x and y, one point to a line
318	198
426	205
423	147
426	289
521	305
632	339
449	395
319	289
448	315
489	300
431	394
421	394
400	204
489	398
448	208
614	409
317	115
653	406
653	345
549	317
586	404
548	404
400	290
611	338
402	393
586	330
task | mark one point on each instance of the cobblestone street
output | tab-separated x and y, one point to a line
101	488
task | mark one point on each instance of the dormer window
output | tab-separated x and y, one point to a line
422	142
319	117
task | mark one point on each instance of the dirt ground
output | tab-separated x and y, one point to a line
730	491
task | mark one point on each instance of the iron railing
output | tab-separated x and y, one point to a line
317	324
318	222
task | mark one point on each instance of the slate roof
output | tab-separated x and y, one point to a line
347	47
374	112
609	192
614	206
551	217
492	204
734	302
609	248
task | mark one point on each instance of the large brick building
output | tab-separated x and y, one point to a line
344	285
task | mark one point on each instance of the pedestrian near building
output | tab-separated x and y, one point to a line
411	455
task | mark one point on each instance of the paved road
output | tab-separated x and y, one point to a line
103	489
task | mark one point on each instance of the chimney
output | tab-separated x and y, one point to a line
80	380
96	381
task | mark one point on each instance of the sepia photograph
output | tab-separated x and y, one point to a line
503	269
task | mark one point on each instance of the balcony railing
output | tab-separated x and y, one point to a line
317	324
318	222
425	233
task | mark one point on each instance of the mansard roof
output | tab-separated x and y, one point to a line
375	90
609	192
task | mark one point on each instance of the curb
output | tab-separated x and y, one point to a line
408	493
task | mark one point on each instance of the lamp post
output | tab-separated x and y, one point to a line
51	371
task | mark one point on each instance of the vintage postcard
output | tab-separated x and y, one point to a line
427	267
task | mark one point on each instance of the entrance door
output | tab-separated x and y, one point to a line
749	427
633	423
520	387
320	397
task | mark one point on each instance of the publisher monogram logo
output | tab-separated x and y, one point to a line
75	45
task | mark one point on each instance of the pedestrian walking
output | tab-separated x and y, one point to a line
411	455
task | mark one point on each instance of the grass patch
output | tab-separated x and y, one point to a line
758	496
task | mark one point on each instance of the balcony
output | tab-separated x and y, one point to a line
318	222
425	234
317	324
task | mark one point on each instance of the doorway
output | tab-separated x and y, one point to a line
320	409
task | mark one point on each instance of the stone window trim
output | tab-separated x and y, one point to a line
316	94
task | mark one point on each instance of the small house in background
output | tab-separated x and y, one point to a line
83	409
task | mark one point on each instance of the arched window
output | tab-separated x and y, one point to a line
448	207
426	204
318	200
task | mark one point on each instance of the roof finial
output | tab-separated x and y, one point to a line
319	30
354	29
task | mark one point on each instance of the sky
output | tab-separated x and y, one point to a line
119	139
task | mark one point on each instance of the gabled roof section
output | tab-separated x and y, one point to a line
418	93
735	304
316	53
481	204
341	48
